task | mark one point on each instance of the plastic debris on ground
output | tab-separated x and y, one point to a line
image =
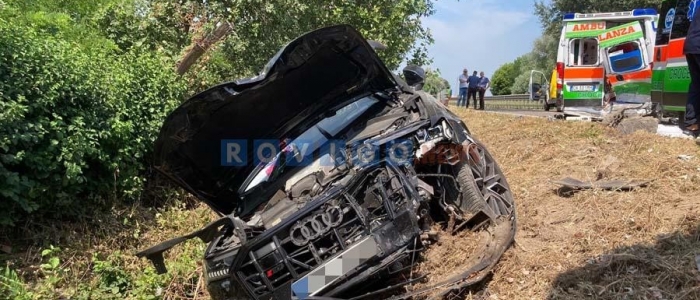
672	131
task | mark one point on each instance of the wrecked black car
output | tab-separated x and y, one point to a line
331	176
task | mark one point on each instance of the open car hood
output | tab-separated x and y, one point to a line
311	74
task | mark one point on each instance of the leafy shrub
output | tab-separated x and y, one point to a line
76	124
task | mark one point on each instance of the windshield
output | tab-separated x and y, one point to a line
300	150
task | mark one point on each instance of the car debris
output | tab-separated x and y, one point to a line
685	157
674	131
570	184
361	167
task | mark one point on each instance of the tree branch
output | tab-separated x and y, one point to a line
199	48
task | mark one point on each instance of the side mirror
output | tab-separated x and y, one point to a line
415	76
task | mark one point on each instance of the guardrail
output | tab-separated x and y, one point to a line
506	102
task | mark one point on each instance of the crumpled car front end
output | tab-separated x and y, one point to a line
361	170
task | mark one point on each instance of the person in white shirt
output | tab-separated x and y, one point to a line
463	84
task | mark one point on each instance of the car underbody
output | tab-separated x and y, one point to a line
352	222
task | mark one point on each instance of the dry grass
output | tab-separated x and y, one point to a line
446	258
595	244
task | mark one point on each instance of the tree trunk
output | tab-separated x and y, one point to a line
199	48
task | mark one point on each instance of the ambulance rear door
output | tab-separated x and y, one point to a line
627	62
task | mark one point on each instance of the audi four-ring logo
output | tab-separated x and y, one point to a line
315	225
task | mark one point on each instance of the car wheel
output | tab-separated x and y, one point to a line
483	185
470	202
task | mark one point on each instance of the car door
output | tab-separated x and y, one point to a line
627	62
538	87
661	47
676	78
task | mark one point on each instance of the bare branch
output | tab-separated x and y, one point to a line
199	48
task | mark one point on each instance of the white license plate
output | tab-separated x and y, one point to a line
582	88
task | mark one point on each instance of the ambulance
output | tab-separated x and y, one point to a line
670	76
603	58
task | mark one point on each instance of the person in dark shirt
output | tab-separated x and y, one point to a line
691	49
484	84
473	82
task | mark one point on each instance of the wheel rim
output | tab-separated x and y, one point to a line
491	182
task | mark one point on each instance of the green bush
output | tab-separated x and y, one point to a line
76	123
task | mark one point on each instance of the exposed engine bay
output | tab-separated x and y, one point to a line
304	183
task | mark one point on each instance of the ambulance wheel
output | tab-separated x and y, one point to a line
547	106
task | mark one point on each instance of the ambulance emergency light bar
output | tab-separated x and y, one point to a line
636	12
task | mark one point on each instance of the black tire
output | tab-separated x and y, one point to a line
547	107
477	183
471	201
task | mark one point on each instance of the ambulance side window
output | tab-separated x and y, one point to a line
680	21
583	52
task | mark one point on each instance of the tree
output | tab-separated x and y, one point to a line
89	83
434	83
259	28
503	78
514	77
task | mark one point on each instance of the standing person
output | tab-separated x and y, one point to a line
691	49
472	88
484	84
462	97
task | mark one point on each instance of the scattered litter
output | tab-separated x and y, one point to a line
684	157
580	118
671	131
575	184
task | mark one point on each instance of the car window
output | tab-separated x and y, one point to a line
680	20
663	28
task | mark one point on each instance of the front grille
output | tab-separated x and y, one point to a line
282	259
297	248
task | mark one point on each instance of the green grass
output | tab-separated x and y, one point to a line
94	259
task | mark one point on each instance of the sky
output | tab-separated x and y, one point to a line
479	35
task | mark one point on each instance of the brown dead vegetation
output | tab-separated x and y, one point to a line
594	244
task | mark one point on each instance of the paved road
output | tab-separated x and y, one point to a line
527	113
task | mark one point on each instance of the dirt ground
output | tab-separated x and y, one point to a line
639	244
